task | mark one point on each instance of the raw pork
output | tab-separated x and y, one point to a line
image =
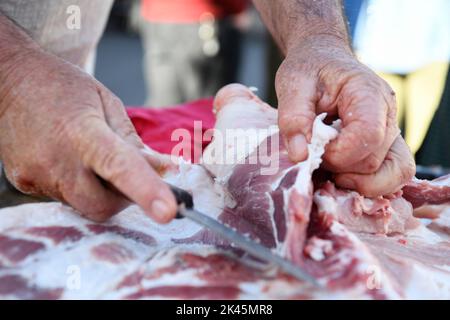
356	247
423	192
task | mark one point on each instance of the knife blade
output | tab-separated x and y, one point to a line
185	209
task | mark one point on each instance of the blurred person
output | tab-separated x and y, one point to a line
435	150
191	47
408	43
64	135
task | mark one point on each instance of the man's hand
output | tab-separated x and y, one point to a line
64	135
320	74
369	154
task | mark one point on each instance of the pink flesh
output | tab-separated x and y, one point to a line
337	235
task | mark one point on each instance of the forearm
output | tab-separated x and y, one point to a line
292	22
15	47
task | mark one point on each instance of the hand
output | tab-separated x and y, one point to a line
369	155
64	135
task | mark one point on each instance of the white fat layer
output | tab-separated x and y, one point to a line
444	182
326	204
238	134
221	157
321	136
35	215
273	223
425	234
209	197
320	248
437	285
49	268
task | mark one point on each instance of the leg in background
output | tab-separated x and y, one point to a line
424	90
435	149
161	57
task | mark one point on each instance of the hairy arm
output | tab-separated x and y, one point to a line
13	39
321	74
64	135
294	21
15	44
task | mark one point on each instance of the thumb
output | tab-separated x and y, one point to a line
119	122
296	112
124	166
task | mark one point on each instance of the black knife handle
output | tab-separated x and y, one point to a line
182	197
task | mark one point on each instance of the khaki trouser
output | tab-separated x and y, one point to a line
418	96
177	68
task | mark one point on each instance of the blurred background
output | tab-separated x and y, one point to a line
163	52
124	46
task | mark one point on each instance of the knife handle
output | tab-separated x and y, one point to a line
182	197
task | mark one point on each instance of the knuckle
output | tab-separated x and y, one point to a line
20	179
282	74
300	122
374	135
30	179
107	96
128	127
391	97
80	130
287	78
408	171
373	163
62	127
113	165
390	100
129	133
115	100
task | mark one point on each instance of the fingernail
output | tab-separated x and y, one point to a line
297	148
160	209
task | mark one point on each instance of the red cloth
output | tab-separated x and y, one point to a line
189	11
155	126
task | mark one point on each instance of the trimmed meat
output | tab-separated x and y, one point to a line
423	192
356	247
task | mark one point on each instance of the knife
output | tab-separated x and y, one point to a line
186	209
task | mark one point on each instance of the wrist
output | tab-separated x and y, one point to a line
320	43
14	68
17	50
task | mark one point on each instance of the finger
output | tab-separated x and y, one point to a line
364	115
93	200
397	169
124	166
118	119
161	163
374	160
296	112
